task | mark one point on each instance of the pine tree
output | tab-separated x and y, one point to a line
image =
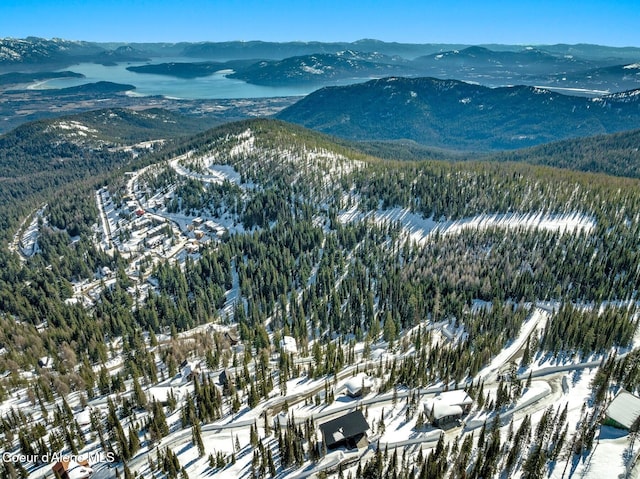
196	437
134	441
138	394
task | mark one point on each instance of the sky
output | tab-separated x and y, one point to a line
605	22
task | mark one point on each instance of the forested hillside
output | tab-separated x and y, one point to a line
457	115
46	156
325	213
615	154
272	230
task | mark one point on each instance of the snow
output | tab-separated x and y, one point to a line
537	316
532	394
354	384
75	127
216	173
225	172
162	393
456	397
419	229
563	223
441	408
312	70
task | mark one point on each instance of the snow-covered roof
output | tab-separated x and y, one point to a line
188	369
456	397
289	345
441	408
624	409
83	417
354	384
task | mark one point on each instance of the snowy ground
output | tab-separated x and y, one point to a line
419	229
537	317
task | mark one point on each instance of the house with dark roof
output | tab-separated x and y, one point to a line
232	337
348	431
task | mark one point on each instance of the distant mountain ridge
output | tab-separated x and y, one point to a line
476	64
32	53
578	69
458	115
324	67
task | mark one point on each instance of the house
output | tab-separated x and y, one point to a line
288	345
458	397
69	469
348	431
232	337
448	408
210	226
225	377
83	418
442	414
623	412
45	362
192	246
188	370
358	385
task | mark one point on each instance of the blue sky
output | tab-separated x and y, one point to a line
613	22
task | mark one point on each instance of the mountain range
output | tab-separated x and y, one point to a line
577	67
530	66
458	115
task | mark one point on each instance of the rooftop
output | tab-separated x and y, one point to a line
624	409
344	427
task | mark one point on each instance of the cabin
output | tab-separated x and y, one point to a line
45	362
288	345
232	337
210	226
348	431
83	418
193	246
448	408
69	469
623	412
458	397
358	386
188	370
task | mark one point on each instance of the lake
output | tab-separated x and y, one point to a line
216	86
